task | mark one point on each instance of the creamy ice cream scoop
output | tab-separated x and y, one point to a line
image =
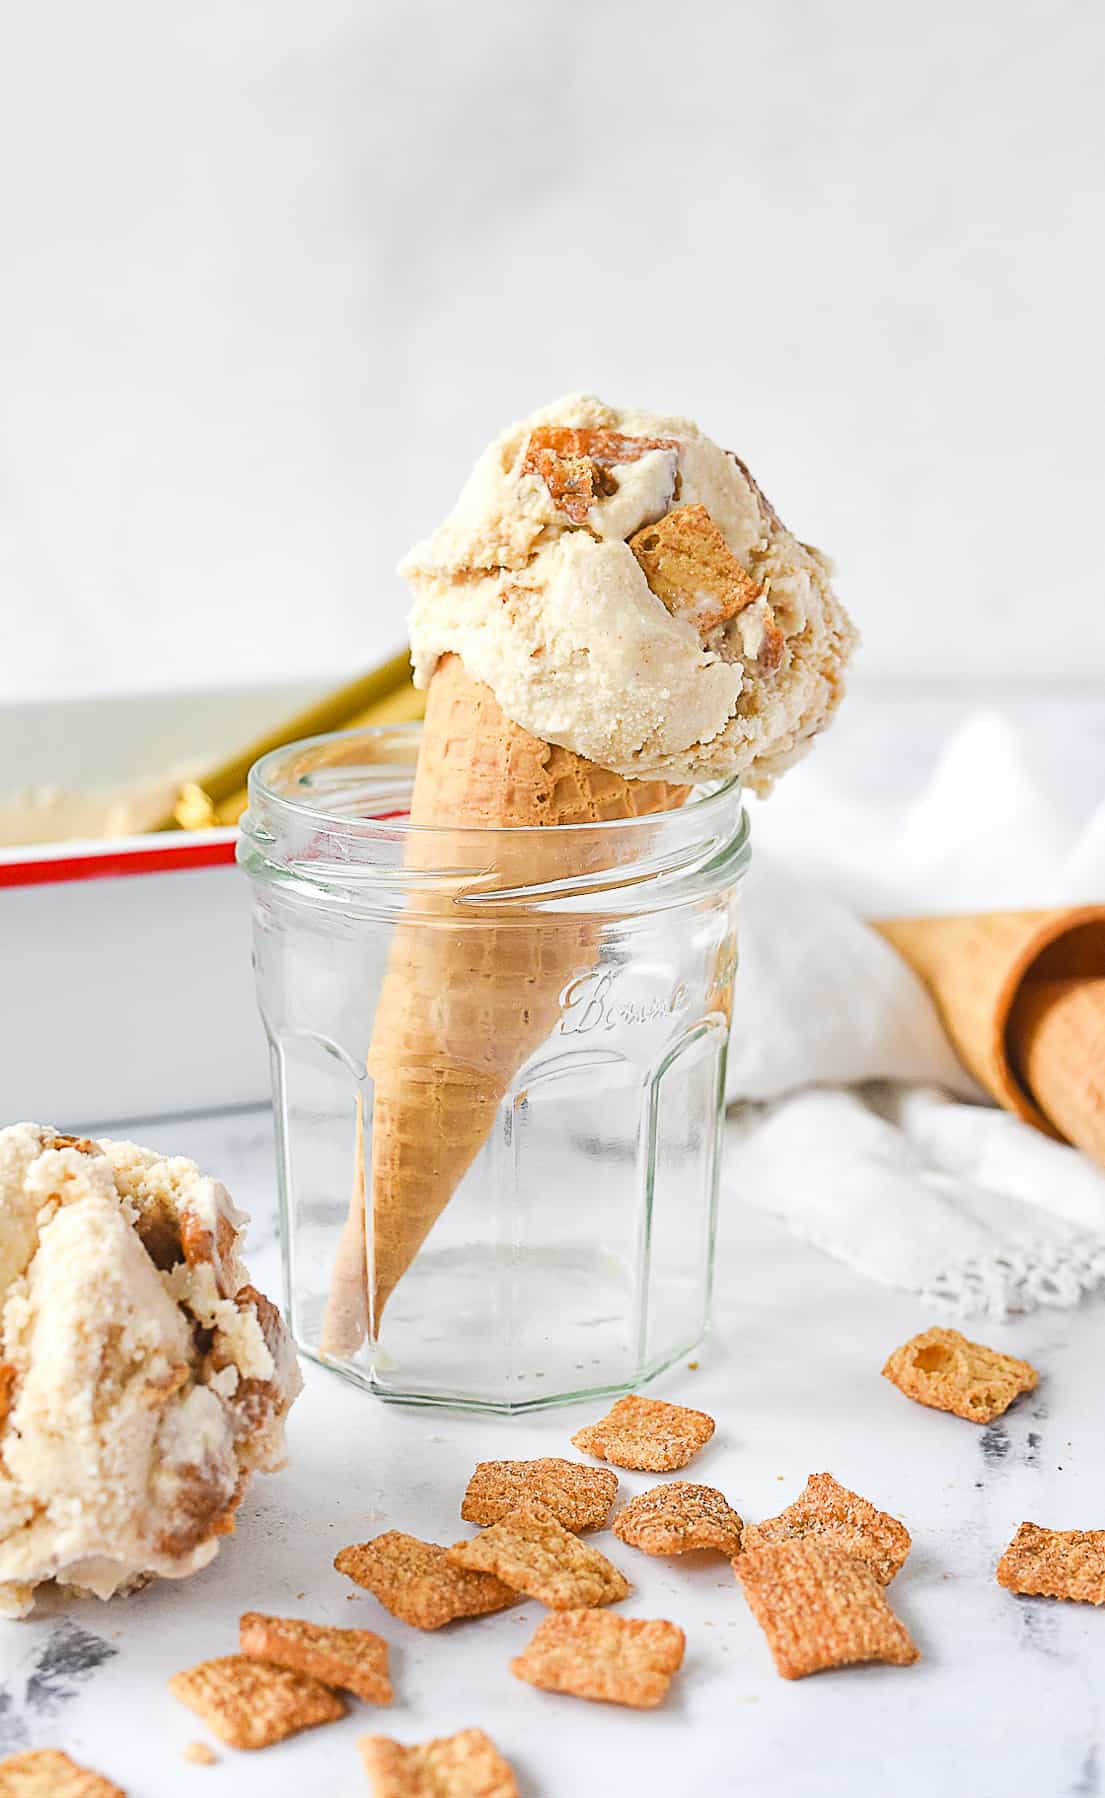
142	1379
626	591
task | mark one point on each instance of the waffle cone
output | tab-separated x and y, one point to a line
1057	1030
466	1000
984	972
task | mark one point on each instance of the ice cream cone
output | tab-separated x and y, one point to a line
346	1317
467	998
1057	1029
1021	995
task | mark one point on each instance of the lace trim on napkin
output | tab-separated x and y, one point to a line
1018	1280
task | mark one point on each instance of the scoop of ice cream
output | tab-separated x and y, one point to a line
625	590
142	1379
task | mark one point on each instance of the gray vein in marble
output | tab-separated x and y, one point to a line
1088	1782
994	1444
13	1727
70	1656
56	1672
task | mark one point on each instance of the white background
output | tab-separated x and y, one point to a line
273	273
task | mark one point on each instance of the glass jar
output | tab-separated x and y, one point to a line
498	1073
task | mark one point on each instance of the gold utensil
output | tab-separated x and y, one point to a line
385	695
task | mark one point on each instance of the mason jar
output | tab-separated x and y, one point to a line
498	1066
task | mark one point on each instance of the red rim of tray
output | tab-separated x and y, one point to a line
117	860
58	862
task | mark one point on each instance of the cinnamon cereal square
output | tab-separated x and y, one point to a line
532	1553
251	1704
677	1517
356	1660
1042	1563
828	1511
945	1370
48	1773
467	1765
820	1607
417	1583
647	1434
595	1654
578	1496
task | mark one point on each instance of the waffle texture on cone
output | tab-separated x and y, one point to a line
1057	1033
981	970
624	588
466	1002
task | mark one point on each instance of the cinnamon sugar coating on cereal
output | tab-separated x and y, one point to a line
533	1553
828	1511
416	1582
251	1704
646	1434
597	1655
356	1660
48	1773
674	1518
1043	1563
820	1607
466	1765
945	1370
579	1496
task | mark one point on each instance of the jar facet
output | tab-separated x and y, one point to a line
563	1000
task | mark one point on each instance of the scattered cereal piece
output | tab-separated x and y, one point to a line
671	1519
414	1581
354	1659
48	1773
943	1369
578	1496
820	1607
533	1553
690	567
250	1704
832	1513
1043	1563
200	1755
467	1765
647	1434
594	1654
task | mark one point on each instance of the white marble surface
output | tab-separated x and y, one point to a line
1006	1701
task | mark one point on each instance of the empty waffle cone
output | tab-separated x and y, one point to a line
1057	1031
467	998
1039	1053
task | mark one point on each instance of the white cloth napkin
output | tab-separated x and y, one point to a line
850	1116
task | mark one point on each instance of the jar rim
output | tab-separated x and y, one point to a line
360	852
708	800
